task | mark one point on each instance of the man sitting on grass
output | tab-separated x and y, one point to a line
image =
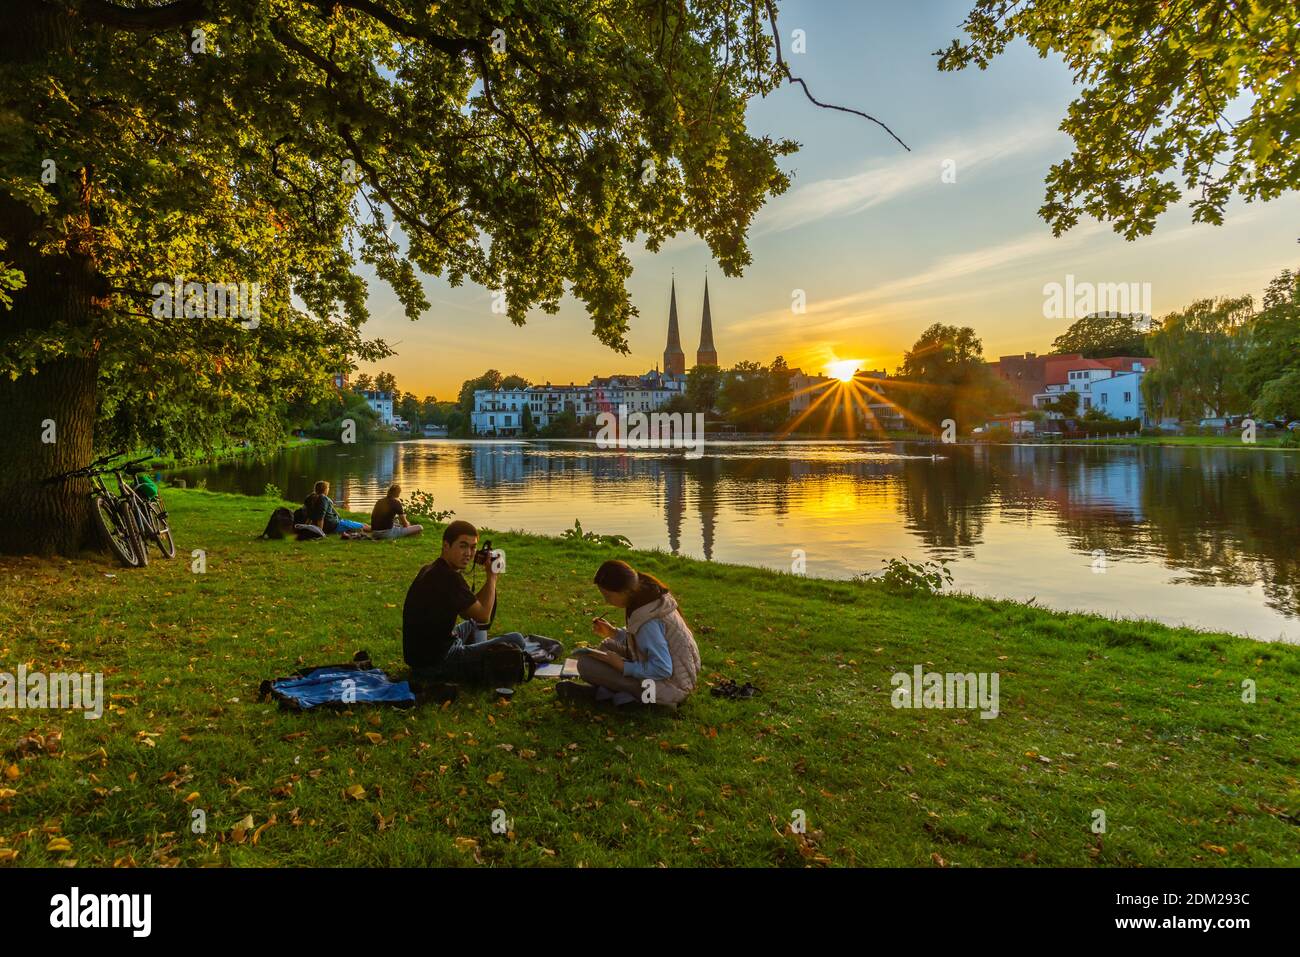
321	513
433	644
388	518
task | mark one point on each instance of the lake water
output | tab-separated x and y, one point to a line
1203	537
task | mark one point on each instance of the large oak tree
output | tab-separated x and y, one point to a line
517	144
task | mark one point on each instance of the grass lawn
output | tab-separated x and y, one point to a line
1143	722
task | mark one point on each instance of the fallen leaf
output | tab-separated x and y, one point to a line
12	772
59	844
239	832
374	737
496	777
258	833
354	791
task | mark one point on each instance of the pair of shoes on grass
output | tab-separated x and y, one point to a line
573	691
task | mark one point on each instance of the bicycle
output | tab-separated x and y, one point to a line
124	519
151	512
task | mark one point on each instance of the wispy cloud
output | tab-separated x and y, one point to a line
985	265
881	182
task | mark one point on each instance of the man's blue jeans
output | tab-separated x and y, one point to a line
465	654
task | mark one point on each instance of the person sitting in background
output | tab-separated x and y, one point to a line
320	512
653	660
388	517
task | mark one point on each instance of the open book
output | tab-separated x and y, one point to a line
567	670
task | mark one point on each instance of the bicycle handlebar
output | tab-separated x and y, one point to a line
95	466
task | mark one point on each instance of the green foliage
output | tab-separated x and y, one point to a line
578	535
330	414
1272	368
753	398
1065	404
1100	336
421	503
703	386
1201	355
272	491
1156	80
911	578
948	363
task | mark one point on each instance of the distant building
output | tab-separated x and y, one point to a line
674	358
501	412
382	403
432	431
706	355
1026	375
1112	385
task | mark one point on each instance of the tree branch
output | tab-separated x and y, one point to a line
785	69
400	25
167	16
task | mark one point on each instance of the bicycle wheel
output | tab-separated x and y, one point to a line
160	531
111	519
135	525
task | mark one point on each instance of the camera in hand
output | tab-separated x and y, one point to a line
483	554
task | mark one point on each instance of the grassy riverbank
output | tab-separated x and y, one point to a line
225	452
1143	722
1263	441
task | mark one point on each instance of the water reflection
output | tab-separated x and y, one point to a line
1205	537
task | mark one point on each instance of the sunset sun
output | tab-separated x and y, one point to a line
843	369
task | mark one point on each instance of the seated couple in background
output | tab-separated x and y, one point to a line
387	518
656	648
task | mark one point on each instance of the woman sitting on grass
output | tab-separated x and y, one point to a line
654	660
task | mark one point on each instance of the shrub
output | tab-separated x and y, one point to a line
421	504
272	491
576	534
910	578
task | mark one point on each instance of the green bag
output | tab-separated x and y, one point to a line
145	487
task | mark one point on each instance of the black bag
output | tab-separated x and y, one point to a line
504	664
281	524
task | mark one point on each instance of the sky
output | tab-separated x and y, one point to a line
880	245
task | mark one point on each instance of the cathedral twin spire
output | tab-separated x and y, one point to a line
706	355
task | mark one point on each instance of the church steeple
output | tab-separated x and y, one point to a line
706	355
674	358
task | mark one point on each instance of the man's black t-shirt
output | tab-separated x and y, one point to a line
437	597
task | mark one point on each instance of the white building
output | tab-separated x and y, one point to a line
382	403
501	412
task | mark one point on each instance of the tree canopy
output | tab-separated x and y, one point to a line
156	157
1100	336
1205	91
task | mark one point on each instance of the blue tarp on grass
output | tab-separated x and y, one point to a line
342	686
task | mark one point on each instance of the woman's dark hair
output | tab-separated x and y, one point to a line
615	575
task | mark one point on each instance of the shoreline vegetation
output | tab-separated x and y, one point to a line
227	452
1145	723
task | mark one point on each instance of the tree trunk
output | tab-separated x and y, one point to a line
58	402
47	418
